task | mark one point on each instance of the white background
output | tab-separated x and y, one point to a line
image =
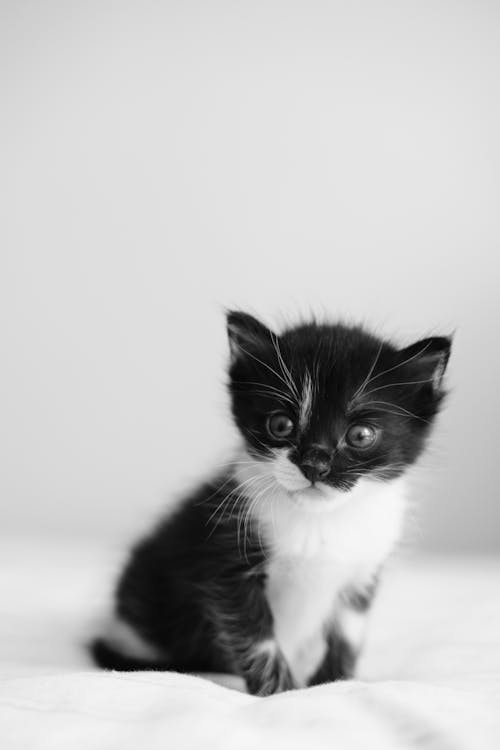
162	160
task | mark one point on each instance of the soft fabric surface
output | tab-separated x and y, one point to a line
429	678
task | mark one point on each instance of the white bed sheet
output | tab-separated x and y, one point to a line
429	677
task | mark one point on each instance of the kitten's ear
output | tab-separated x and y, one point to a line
428	359
244	332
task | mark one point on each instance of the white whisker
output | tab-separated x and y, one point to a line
230	494
285	370
395	385
248	516
402	410
367	379
306	402
264	364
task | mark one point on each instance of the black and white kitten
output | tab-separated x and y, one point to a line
268	570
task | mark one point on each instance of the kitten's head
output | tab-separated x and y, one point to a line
324	405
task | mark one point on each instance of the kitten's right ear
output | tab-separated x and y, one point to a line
244	332
428	359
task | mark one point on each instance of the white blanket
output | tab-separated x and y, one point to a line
429	677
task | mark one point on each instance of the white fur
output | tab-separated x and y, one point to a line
352	625
306	403
287	474
128	642
321	541
267	647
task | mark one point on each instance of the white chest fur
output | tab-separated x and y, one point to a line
319	546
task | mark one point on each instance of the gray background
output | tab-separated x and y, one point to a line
162	160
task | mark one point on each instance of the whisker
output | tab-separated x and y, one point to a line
258	384
402	411
233	462
271	369
285	370
242	511
217	489
254	436
367	379
226	481
248	515
278	397
395	385
263	388
229	494
238	496
401	364
370	379
273	517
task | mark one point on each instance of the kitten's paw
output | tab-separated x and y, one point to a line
268	676
338	664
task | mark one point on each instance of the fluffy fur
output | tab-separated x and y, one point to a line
269	570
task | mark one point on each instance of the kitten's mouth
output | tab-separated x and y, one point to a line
317	489
309	491
319	498
302	487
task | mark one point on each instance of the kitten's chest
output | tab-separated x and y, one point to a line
301	594
312	557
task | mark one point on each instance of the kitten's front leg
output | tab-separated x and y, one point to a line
344	637
244	631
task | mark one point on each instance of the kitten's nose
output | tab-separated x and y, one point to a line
316	464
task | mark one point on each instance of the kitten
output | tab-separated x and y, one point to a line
268	571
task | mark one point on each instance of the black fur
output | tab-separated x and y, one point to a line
195	588
107	657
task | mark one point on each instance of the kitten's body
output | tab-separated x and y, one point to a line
269	570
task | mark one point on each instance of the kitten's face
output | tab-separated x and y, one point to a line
324	405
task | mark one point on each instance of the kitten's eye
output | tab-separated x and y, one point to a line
361	436
280	426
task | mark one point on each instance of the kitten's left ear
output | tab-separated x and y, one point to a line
428	359
245	333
